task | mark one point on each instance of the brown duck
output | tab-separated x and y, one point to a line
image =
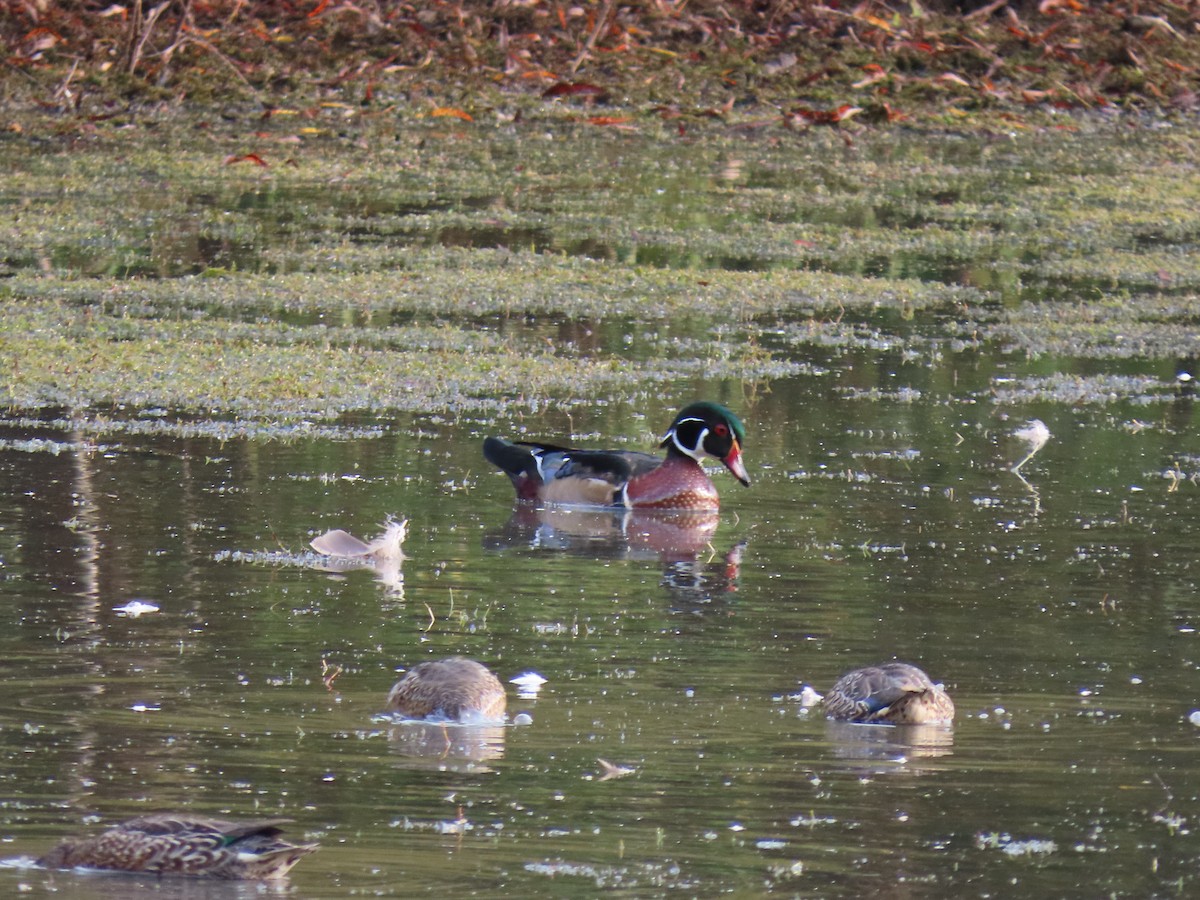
892	693
181	844
453	689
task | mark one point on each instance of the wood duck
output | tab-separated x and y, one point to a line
455	689
626	478
892	693
181	844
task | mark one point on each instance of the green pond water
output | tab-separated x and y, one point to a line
1060	606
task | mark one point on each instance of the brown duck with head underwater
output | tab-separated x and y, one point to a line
453	689
893	693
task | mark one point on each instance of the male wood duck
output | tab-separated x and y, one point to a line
454	689
892	693
181	844
626	478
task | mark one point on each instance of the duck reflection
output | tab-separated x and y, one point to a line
447	745
680	540
698	585
151	887
607	533
878	749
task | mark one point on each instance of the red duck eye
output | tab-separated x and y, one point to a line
721	431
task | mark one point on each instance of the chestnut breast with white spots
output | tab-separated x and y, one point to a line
679	483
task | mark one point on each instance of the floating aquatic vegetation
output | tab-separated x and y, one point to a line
1176	824
812	820
630	877
213	429
439	826
393	278
1010	846
267	557
1145	325
386	566
1066	388
243	370
876	395
907	455
54	448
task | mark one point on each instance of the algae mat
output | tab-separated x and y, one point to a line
440	270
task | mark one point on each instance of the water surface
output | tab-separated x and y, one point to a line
1058	609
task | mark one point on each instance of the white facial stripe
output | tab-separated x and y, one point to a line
694	453
674	440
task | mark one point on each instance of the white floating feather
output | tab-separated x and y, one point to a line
135	608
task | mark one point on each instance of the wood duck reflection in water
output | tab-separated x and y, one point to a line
694	575
181	844
892	693
455	689
548	473
698	586
665	535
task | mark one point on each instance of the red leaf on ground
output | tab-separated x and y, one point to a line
826	116
875	74
573	89
456	113
39	39
246	157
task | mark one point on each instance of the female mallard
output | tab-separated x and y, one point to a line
455	689
625	478
893	693
180	844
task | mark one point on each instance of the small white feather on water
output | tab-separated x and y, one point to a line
528	684
610	770
135	608
809	697
1034	434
